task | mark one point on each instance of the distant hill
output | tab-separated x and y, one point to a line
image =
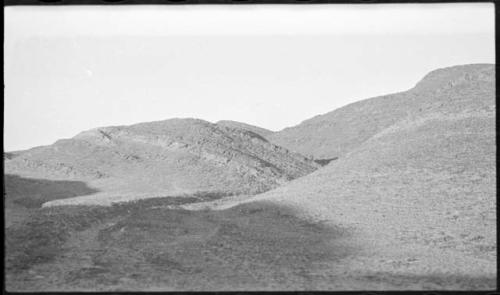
338	132
177	156
257	130
416	176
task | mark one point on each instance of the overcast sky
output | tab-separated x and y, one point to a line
69	69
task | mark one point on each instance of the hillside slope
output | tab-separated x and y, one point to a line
335	133
171	157
420	193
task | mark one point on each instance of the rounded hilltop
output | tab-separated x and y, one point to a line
169	157
448	90
456	75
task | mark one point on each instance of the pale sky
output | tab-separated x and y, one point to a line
69	69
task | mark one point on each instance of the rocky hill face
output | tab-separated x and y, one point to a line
449	90
416	176
175	156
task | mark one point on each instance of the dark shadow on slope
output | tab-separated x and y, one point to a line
39	237
10	155
253	245
248	246
324	162
33	192
255	135
430	281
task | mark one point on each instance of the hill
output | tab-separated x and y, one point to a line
340	131
416	180
171	157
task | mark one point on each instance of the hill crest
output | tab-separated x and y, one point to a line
335	133
166	157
